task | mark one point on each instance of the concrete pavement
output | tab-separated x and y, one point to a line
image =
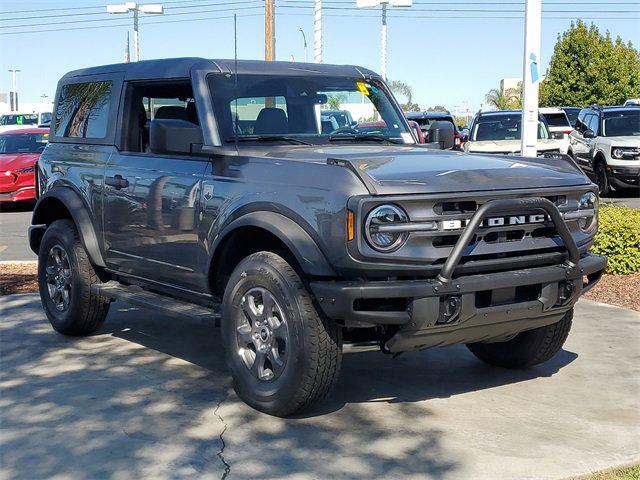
14	244
149	397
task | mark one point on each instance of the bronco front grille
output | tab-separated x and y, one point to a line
522	233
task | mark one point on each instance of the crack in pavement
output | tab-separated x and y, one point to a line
227	467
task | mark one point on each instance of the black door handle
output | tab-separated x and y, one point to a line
116	182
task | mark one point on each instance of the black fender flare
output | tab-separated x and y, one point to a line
78	210
299	242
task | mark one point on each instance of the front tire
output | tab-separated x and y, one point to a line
283	355
527	348
65	277
602	179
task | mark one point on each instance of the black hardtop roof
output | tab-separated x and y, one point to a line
181	67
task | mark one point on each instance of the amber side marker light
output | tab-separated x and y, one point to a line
350	228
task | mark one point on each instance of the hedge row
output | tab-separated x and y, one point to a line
618	238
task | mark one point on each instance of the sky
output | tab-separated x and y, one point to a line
447	57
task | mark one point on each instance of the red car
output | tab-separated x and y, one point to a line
381	128
19	151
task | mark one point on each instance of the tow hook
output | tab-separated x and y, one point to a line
566	290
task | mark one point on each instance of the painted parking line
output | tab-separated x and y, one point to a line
3	248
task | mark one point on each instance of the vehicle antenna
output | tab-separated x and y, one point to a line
235	59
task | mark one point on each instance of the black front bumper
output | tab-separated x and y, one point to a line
624	177
490	306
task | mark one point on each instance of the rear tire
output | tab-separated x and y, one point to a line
527	348
283	355
65	277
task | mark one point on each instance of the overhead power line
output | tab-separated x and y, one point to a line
25	25
147	23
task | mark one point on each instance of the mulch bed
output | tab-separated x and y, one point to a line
18	278
620	290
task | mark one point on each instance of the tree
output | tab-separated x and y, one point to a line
336	100
509	99
588	67
437	108
402	89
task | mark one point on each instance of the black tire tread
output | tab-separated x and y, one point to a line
322	342
528	348
93	308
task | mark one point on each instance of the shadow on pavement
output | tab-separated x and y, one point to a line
155	405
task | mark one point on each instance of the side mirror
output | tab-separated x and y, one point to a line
588	134
442	133
170	135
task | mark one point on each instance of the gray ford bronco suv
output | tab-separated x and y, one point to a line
210	187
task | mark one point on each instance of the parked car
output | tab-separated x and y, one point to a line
15	120
499	132
19	151
335	119
631	102
426	119
572	114
559	125
606	144
381	128
304	240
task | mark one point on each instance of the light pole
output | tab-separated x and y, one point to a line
13	95
383	32
150	8
317	31
531	78
304	41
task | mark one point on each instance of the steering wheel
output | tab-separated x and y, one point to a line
345	130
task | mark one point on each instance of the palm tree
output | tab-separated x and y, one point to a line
508	99
402	89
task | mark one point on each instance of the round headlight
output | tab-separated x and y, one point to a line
618	153
380	231
588	201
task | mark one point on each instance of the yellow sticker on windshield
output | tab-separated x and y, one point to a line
363	88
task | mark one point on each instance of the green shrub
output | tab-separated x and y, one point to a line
618	238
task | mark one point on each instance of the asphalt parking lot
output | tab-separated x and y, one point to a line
149	397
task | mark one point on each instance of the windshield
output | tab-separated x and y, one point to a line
556	119
572	114
309	109
19	119
624	123
23	142
503	127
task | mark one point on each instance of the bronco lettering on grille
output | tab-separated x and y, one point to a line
496	221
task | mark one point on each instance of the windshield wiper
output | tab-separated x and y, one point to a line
363	137
267	138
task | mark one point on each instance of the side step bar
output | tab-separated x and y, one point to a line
145	299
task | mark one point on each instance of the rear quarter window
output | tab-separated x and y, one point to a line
82	110
556	119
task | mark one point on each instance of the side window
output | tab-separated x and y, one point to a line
594	121
259	115
157	100
83	110
580	126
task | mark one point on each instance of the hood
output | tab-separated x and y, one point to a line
15	161
414	169
9	128
508	146
621	141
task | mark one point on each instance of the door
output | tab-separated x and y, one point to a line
152	202
580	144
